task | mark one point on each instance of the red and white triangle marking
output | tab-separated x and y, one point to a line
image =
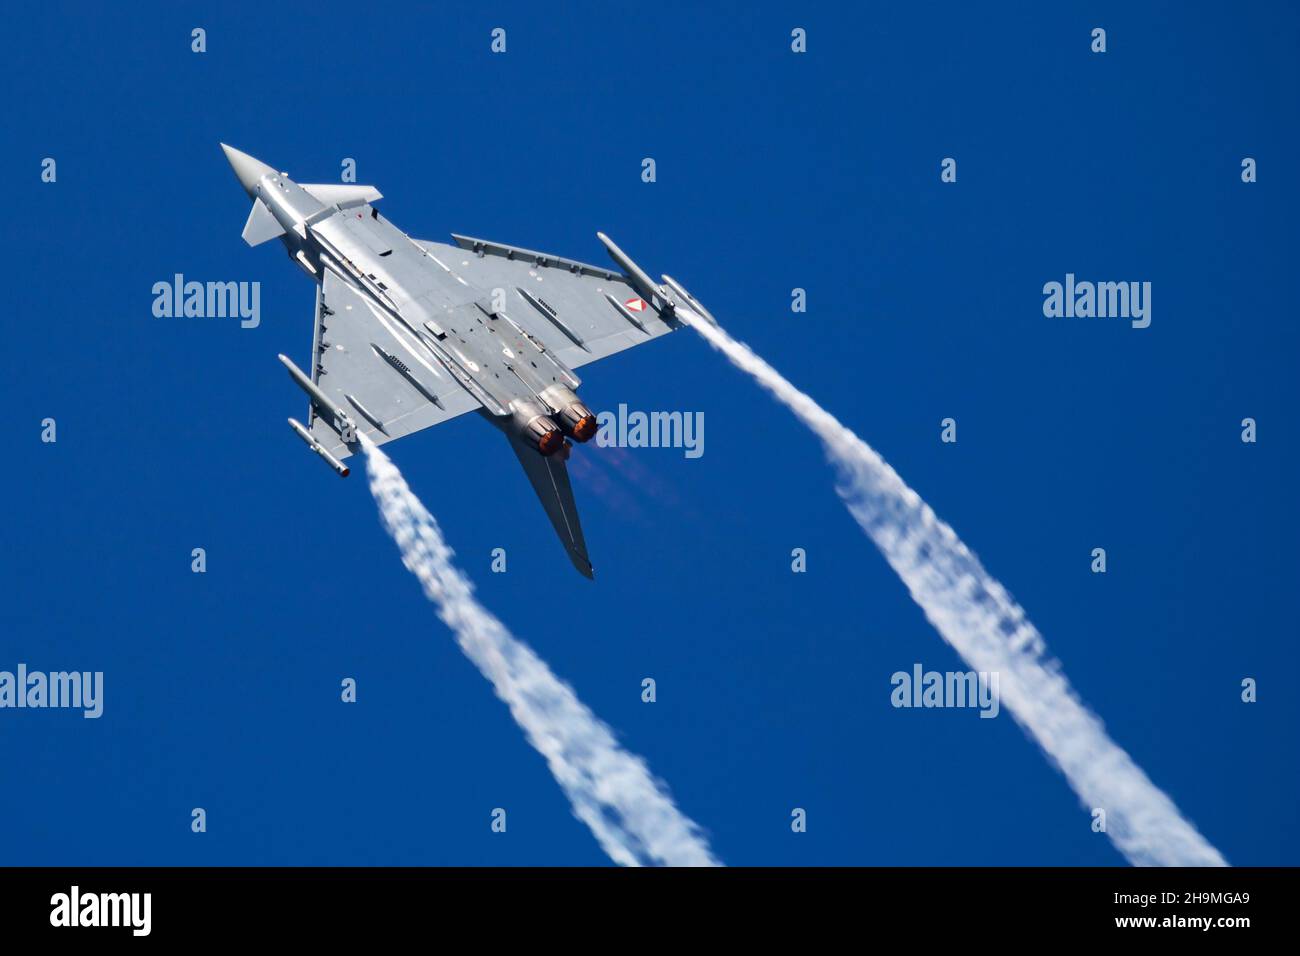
635	304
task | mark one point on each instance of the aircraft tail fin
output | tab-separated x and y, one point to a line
550	478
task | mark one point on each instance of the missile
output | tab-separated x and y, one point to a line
550	315
404	370
644	284
336	416
366	413
623	310
318	448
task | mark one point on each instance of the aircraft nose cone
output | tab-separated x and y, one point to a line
247	169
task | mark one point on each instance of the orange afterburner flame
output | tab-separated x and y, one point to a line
550	443
585	430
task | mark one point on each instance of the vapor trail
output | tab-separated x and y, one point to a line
612	791
975	614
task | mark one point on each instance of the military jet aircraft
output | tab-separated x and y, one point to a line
410	333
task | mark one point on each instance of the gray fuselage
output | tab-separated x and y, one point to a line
518	381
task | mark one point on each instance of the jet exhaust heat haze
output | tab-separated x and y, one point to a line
976	615
612	791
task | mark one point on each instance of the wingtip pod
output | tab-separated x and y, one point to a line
340	469
665	298
339	420
641	281
688	300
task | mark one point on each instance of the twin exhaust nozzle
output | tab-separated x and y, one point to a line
542	432
576	420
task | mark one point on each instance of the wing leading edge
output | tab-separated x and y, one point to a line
581	312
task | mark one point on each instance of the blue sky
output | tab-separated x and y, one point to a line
774	171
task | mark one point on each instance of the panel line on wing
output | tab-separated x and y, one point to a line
383	320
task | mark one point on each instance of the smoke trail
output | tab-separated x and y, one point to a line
975	614
612	791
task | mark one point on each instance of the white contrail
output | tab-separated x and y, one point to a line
975	614
612	791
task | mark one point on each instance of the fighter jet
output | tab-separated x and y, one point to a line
409	333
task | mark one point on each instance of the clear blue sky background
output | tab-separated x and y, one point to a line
774	171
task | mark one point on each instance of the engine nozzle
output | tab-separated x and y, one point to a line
585	428
538	429
551	442
544	435
576	419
